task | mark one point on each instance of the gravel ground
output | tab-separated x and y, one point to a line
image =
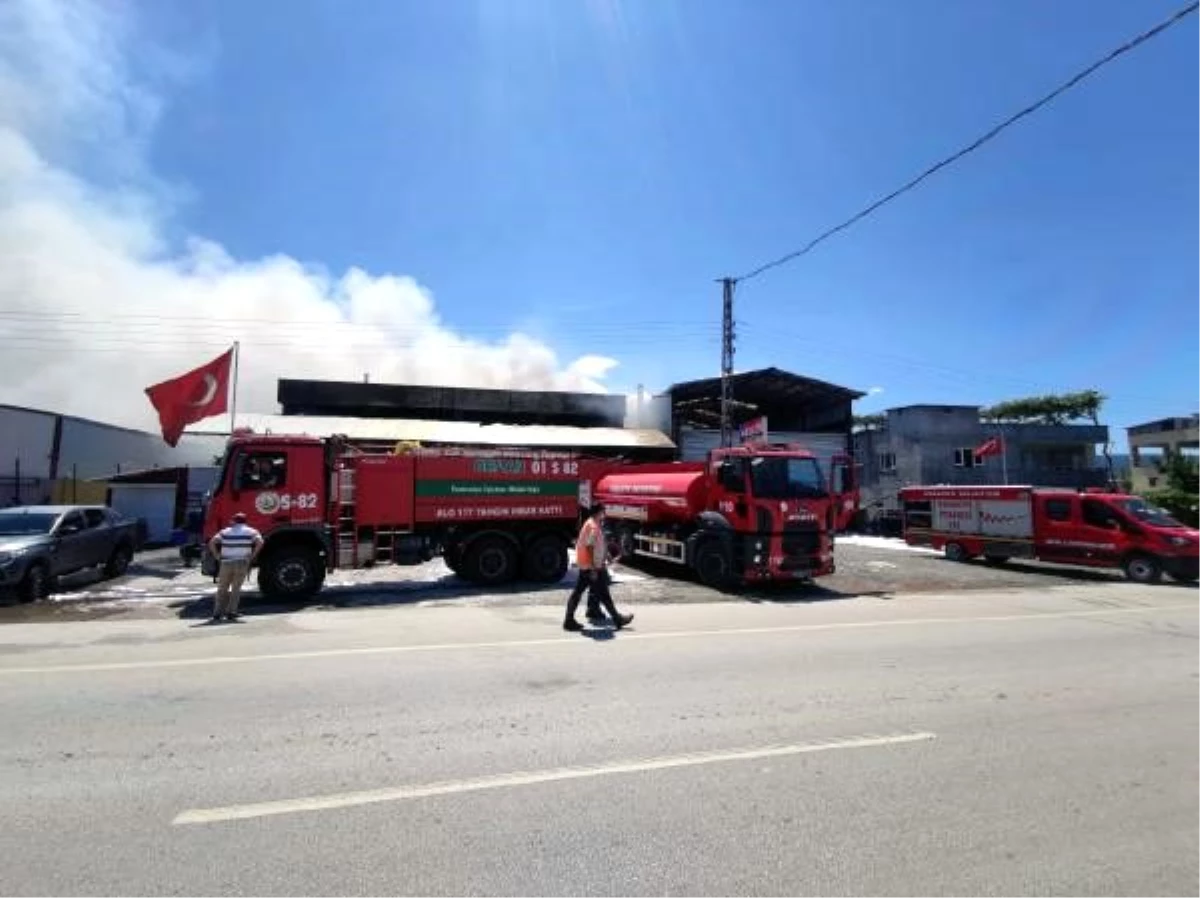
159	586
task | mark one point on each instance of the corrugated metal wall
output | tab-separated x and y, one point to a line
695	444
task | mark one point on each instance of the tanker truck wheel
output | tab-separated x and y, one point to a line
490	561
290	573
545	560
713	565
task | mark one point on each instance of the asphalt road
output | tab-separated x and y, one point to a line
1010	742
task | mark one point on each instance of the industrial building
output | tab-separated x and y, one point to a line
1152	444
935	444
682	422
45	456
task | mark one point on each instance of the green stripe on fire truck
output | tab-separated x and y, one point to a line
474	488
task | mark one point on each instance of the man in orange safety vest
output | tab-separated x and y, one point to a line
591	556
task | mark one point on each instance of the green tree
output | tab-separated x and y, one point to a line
870	422
1053	408
1181	495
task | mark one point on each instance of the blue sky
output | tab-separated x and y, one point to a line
584	171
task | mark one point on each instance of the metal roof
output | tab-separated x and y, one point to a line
458	433
767	386
429	403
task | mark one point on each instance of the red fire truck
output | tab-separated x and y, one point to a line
747	514
1092	528
502	514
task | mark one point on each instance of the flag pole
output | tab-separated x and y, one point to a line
1003	452
237	347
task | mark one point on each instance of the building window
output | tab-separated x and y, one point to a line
965	458
1058	509
887	462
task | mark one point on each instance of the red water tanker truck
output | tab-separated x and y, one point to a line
744	515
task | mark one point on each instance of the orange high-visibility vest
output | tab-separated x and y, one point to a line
585	555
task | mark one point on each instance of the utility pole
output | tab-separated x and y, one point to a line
727	285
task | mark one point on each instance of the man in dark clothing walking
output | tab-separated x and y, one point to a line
591	556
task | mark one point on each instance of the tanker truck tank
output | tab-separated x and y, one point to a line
659	496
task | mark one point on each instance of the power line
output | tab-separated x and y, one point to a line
978	142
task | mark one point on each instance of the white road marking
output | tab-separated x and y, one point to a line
528	778
626	636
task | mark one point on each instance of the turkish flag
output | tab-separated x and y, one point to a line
192	397
994	446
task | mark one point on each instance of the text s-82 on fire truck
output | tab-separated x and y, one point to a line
496	515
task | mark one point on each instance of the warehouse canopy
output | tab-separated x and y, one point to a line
780	395
458	433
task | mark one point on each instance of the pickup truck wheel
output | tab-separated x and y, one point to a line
490	560
290	574
1143	569
712	564
545	560
36	584
118	562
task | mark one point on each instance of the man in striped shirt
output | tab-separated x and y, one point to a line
235	547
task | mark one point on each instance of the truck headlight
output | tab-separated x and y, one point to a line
759	545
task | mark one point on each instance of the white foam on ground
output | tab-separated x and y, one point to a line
882	542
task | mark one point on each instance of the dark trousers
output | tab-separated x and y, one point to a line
596	583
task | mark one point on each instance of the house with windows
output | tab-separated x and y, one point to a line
950	444
1151	446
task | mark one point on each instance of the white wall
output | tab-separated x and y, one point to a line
28	436
98	450
93	449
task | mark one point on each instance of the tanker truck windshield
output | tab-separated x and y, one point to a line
786	478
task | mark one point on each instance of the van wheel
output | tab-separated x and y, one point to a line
545	560
1143	569
956	552
290	574
490	561
712	564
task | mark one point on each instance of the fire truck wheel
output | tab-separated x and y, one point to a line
545	560
712	564
1143	569
490	560
290	573
956	552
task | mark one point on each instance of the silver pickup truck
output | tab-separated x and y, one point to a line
40	543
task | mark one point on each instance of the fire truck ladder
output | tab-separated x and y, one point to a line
345	532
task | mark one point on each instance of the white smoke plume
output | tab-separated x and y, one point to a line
96	305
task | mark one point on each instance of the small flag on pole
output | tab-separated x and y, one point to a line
994	446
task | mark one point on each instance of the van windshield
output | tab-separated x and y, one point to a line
786	478
1148	514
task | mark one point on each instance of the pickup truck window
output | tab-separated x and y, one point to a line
72	523
24	523
95	517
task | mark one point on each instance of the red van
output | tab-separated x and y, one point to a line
1092	528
